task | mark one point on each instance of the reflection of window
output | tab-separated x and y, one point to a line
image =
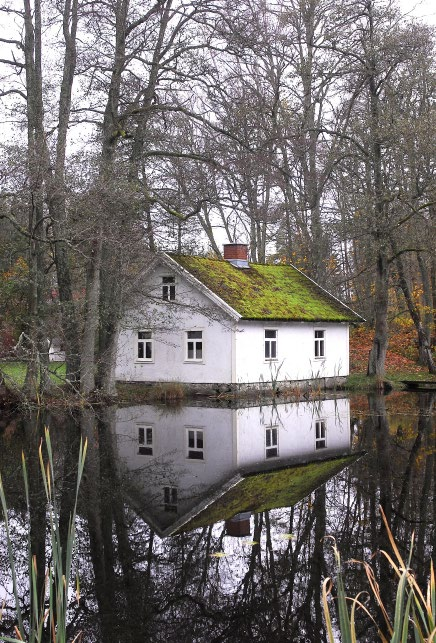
270	344
195	444
168	288
320	434
320	343
271	441
194	345
145	440
170	499
145	346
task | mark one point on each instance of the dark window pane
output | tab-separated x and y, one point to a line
149	435
141	350
272	453
195	334
141	435
191	440
199	350
195	455
148	353
145	451
199	440
267	351
270	334
190	350
273	350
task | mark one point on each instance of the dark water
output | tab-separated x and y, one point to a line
164	488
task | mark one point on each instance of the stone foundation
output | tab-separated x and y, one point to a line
295	388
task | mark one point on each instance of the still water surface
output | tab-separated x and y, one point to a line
210	523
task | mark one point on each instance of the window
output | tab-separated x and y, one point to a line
272	441
320	343
270	344
145	440
170	499
320	434
194	345
145	346
168	288
195	444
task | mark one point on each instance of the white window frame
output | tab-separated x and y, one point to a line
168	288
171	497
320	434
144	341
270	344
319	343
272	441
198	345
194	449
145	434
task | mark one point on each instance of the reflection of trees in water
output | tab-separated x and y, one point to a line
137	587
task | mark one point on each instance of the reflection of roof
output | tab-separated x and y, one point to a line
276	292
257	492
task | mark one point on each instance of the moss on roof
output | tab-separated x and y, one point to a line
276	292
263	491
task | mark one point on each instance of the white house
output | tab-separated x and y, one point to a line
178	464
215	322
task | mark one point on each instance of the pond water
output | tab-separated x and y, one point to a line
216	524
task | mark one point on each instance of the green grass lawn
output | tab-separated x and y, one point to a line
14	373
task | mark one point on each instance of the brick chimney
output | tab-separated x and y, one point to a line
236	254
239	525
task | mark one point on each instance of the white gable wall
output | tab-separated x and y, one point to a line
169	323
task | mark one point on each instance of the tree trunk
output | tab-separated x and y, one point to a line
57	204
88	350
37	164
377	356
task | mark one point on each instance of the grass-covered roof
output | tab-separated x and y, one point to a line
263	491
275	292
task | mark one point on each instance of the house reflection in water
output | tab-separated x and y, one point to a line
192	466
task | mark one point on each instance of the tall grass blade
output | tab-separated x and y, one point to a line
326	588
344	618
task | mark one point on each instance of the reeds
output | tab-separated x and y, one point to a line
48	614
415	613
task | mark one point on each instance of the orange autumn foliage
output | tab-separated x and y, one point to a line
402	351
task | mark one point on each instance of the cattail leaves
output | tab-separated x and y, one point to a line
414	613
48	615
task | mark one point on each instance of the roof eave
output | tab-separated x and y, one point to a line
299	320
353	312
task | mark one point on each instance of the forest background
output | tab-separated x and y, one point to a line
305	127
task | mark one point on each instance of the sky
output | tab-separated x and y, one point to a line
425	9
